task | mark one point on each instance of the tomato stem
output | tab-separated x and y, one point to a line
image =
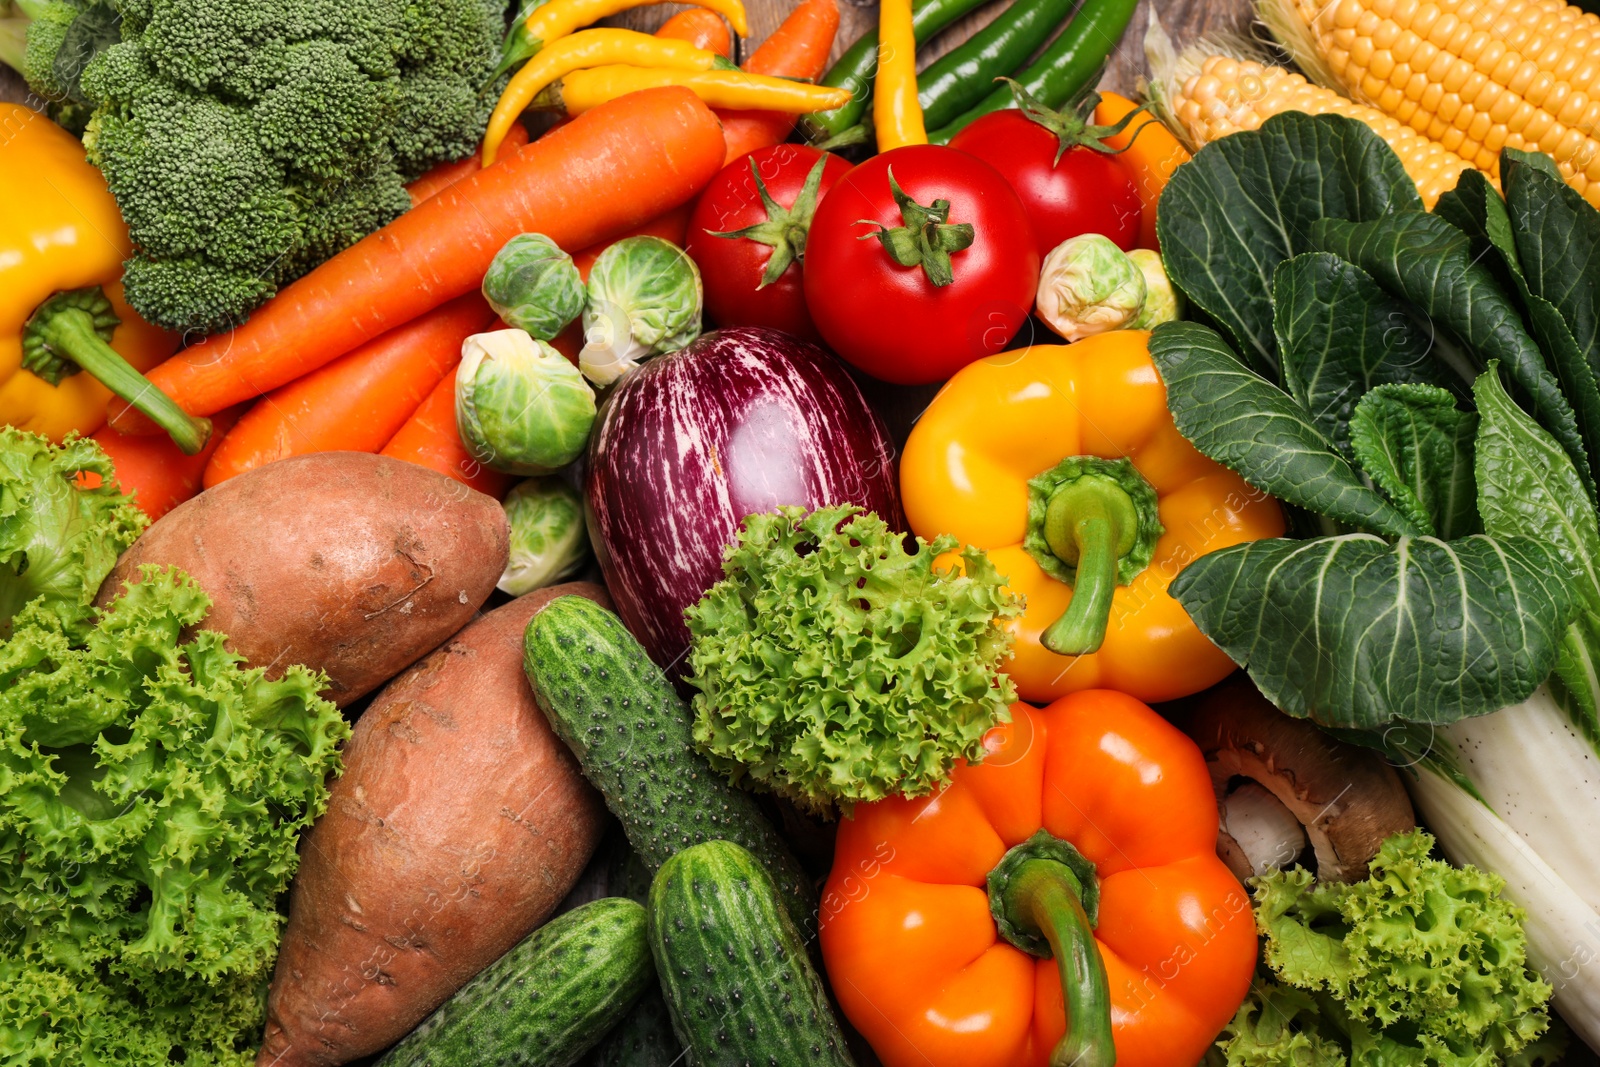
927	237
784	230
1074	125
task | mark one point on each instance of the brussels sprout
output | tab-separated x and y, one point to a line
520	406
1161	301
548	540
1087	286
644	299
534	286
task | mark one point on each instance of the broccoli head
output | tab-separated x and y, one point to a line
50	42
247	141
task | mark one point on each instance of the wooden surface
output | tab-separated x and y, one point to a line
1184	19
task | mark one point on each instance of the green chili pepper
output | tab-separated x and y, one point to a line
1073	61
965	75
855	68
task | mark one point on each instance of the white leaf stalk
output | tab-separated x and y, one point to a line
1533	821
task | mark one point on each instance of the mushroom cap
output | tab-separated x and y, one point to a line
1347	798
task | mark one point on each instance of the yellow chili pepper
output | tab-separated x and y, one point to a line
1064	464
589	48
68	339
734	89
561	17
896	115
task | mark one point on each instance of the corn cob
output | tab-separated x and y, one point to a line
1473	75
1212	96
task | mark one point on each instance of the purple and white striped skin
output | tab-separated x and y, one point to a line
741	421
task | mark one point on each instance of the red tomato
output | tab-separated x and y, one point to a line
891	320
733	267
1083	192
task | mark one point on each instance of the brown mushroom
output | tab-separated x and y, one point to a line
1345	799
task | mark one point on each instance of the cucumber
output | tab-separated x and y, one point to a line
630	730
547	1001
733	967
644	1039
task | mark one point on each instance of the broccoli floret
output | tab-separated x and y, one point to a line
247	141
50	42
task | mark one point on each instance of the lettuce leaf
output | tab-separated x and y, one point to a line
1421	964
152	793
832	665
58	541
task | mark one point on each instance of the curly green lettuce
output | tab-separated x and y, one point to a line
1421	965
152	792
58	540
834	666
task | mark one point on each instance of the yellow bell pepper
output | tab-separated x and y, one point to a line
62	312
731	89
1064	464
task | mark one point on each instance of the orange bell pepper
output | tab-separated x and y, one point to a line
1147	151
1094	811
1063	463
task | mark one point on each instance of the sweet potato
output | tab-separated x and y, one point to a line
460	822
354	564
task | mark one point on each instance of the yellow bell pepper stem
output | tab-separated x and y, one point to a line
588	48
1092	524
896	114
69	334
559	18
60	231
732	89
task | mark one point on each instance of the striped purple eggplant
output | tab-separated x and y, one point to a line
741	421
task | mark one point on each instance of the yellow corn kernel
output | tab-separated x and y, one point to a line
1523	73
1228	95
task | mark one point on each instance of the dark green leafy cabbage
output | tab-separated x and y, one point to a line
1246	203
834	666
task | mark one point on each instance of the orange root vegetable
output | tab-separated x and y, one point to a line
153	470
430	439
672	226
458	825
358	402
445	175
349	563
797	49
1151	155
619	165
701	28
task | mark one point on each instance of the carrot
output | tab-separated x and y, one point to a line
153	470
797	49
430	439
701	28
672	226
1150	157
357	402
447	174
609	170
